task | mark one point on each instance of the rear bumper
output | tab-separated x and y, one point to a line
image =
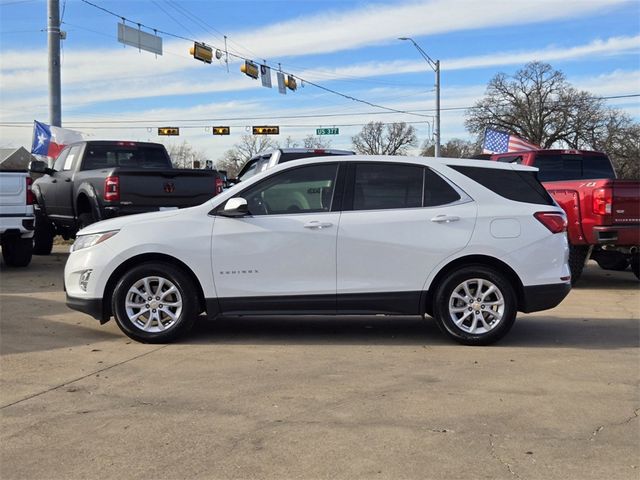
617	235
543	297
90	306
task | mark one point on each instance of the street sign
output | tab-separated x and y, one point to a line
139	39
327	131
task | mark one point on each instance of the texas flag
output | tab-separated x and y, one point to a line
49	140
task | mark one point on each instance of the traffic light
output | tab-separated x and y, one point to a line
220	130
291	83
266	130
174	131
250	69
201	52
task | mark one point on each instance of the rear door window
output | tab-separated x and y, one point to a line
380	186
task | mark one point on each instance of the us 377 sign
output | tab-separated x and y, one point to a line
327	131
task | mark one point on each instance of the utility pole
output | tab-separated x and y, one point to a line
53	35
435	66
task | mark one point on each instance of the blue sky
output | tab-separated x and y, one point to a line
350	47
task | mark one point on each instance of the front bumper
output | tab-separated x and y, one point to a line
543	297
90	306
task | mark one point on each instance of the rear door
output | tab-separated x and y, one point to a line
399	222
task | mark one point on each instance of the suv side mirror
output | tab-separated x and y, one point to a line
235	207
36	166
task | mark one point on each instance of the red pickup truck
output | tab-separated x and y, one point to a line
603	212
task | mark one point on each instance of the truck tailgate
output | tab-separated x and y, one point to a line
626	202
166	188
13	193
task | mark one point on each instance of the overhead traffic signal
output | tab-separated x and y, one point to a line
291	83
250	69
266	130
220	130
201	52
173	131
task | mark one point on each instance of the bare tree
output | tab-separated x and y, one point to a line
378	139
316	141
539	105
248	146
454	148
184	154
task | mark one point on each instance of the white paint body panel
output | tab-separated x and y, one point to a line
364	251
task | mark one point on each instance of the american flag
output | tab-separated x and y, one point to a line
502	142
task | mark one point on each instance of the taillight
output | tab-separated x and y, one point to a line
112	189
218	186
556	222
31	198
602	201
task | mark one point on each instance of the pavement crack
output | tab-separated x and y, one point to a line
599	428
69	382
507	465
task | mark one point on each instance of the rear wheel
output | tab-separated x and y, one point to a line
608	260
43	235
155	303
635	265
577	258
85	219
17	251
475	305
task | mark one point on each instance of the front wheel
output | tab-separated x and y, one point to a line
155	303
475	305
43	235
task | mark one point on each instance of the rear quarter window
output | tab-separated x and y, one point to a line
516	185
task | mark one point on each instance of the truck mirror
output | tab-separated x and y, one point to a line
36	166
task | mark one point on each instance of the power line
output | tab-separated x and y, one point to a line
240	57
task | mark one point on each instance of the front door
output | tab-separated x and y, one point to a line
282	256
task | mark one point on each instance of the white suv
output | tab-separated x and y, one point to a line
466	241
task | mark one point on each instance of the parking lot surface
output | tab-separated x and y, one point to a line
312	397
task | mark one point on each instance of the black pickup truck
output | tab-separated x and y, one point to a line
95	180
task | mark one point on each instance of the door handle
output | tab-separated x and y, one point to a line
445	219
315	225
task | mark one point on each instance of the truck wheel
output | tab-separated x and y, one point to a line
608	260
43	235
17	251
155	303
84	220
635	265
577	258
475	305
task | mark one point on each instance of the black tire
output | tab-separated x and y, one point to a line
186	294
577	259
497	328
611	260
43	235
85	219
17	251
635	265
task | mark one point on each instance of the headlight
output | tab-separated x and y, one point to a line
84	241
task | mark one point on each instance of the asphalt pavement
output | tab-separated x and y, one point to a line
312	397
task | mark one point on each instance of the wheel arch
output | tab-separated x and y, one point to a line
467	261
87	202
137	260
